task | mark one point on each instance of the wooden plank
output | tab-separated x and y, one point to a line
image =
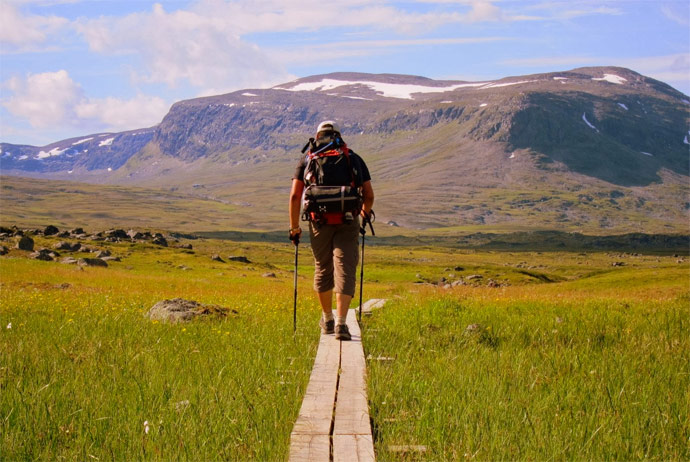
347	448
352	408
310	448
316	413
372	304
341	365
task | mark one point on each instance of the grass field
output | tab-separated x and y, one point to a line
592	365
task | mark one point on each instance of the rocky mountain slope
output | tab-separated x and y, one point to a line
599	148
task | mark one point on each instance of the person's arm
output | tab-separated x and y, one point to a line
295	204
368	196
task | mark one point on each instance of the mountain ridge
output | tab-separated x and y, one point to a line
587	131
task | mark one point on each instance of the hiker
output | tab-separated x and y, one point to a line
338	191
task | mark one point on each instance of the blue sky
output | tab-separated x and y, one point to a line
71	68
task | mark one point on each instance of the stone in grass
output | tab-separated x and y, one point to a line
92	262
50	230
217	258
179	309
68	246
269	275
4	250
241	259
103	253
69	261
43	254
160	240
25	243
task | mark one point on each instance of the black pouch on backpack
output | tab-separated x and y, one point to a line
332	199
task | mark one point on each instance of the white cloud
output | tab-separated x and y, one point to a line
678	12
52	100
43	99
20	32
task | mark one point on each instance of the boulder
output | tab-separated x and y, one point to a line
217	258
43	254
160	240
63	234
179	309
269	275
111	259
185	246
134	235
116	234
392	223
77	231
240	259
50	230
4	250
25	243
103	253
92	262
69	261
67	246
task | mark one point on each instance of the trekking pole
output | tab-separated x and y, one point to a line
362	231
294	306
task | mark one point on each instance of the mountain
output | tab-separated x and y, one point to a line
593	148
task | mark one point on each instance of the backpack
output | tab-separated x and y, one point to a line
333	179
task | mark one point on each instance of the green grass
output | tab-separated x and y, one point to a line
83	369
593	366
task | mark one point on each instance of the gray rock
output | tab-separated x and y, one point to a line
240	259
4	250
474	276
103	253
43	254
116	234
69	261
50	230
106	259
25	243
185	246
217	258
160	240
474	328
179	309
269	275
77	231
67	246
134	235
92	262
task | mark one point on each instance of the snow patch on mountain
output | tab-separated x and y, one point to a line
107	142
623	106
483	105
53	152
560	78
685	140
388	90
497	85
249	94
612	78
24	157
584	117
647	154
82	141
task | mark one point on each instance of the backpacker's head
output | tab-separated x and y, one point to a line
327	132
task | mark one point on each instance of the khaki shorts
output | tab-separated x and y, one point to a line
335	257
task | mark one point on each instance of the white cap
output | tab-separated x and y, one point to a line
328	125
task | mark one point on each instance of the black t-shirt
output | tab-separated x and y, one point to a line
357	163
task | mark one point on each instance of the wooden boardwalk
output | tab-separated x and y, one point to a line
333	423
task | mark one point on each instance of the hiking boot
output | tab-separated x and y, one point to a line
342	332
327	327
